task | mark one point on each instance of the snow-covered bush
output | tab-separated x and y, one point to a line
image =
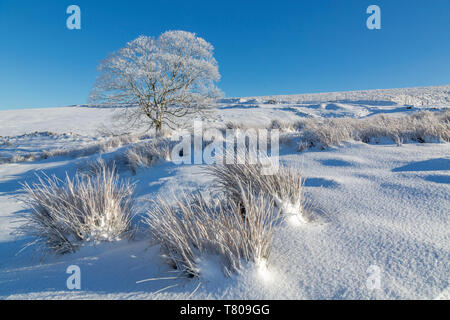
326	133
63	214
94	148
282	125
137	155
17	158
192	230
147	154
92	167
284	186
419	127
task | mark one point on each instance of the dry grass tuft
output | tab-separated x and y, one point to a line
193	228
63	214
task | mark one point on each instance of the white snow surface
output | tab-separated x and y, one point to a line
373	205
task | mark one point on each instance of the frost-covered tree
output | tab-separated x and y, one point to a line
163	78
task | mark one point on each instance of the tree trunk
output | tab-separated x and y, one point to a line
158	127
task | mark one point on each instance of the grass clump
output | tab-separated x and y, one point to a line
192	228
62	214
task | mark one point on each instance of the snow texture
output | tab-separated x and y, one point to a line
373	209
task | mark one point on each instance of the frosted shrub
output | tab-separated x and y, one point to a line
100	147
63	214
192	229
419	127
147	154
284	186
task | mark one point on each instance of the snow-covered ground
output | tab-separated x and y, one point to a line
379	209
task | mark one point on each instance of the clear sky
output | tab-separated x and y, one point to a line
263	47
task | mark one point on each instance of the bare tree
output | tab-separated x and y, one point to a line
162	79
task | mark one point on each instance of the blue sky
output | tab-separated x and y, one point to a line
263	47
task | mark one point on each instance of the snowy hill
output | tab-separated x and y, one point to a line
380	206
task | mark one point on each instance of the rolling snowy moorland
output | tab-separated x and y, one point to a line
376	189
